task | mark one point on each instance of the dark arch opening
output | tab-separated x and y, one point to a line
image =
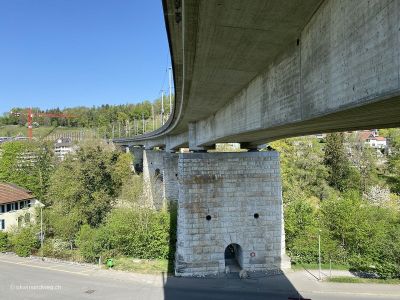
234	257
158	175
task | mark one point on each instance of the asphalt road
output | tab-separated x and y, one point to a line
34	279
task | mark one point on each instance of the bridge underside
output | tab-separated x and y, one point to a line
259	72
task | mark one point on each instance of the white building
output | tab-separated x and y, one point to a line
17	206
62	147
372	138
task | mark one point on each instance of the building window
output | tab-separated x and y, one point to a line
8	207
20	221
27	217
29	203
2	224
21	204
2	209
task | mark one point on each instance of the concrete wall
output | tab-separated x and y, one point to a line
153	186
231	188
348	56
162	188
137	153
170	171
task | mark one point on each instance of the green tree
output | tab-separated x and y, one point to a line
337	161
27	164
25	241
86	182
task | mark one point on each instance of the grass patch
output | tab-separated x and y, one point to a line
345	279
297	267
145	266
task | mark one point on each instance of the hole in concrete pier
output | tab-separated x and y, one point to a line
208	217
233	257
256	215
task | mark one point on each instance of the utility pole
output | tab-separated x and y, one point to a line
135	124
152	115
119	129
41	228
162	108
170	90
112	131
143	130
319	253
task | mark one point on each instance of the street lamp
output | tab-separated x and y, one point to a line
319	253
41	227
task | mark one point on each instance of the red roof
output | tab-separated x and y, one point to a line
365	135
11	193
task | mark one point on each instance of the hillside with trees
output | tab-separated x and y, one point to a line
108	121
336	189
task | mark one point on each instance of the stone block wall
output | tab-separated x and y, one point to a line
137	153
219	197
153	186
160	177
170	171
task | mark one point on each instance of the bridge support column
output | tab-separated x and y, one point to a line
137	152
160	178
229	201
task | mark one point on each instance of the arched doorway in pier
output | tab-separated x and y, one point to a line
233	257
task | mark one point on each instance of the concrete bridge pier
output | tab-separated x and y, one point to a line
160	177
230	214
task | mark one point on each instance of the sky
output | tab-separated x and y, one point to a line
65	53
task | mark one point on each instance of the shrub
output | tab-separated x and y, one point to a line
24	242
56	248
141	233
92	242
3	241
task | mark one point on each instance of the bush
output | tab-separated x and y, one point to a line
142	234
375	268
24	242
56	248
145	234
3	241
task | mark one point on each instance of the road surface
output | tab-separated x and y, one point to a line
35	279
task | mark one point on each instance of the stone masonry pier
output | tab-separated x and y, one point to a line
229	199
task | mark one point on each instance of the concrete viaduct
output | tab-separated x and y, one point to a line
251	72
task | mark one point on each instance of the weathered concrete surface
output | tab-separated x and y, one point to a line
153	186
348	57
160	178
255	71
230	188
170	171
137	153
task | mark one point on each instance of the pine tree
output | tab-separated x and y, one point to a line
337	161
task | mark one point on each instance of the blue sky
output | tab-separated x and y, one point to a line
63	53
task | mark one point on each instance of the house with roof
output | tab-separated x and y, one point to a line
63	146
372	139
17	206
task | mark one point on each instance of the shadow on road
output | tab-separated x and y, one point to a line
256	287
